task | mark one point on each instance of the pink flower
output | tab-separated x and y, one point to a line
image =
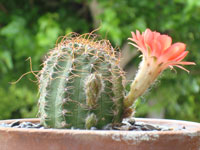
154	44
158	54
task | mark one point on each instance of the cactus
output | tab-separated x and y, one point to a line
81	85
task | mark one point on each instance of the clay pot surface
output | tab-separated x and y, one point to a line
64	139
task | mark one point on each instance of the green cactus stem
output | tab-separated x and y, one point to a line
81	85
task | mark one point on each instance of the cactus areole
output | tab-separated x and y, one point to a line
80	85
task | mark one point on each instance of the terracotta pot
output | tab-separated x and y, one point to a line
63	139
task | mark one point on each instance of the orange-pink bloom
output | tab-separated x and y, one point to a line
158	54
154	44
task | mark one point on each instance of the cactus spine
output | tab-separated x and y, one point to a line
81	85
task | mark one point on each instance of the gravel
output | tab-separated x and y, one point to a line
18	124
128	124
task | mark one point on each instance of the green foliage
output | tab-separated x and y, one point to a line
30	28
19	102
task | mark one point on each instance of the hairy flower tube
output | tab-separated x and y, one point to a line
158	53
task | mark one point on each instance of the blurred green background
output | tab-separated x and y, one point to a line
29	28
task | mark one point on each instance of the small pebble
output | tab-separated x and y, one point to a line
37	126
4	125
108	127
123	127
29	123
15	123
93	128
151	127
134	128
131	121
16	127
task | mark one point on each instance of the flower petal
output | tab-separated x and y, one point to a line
181	56
181	67
148	36
156	48
165	41
134	36
154	44
173	51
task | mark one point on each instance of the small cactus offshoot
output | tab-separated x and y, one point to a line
81	82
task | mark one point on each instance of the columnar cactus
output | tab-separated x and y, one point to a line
81	85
